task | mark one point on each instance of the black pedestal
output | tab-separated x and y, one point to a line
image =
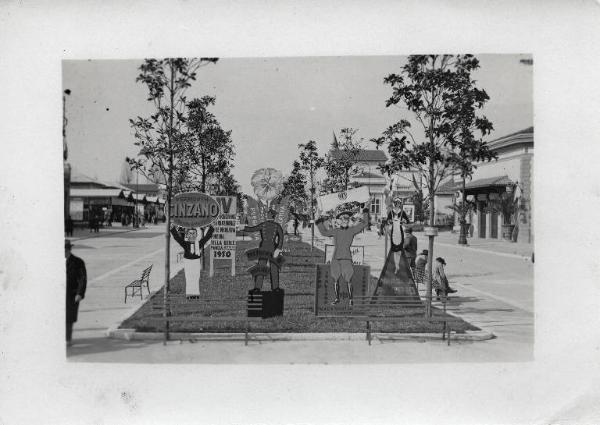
265	303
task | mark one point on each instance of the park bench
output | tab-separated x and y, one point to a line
138	284
206	310
392	308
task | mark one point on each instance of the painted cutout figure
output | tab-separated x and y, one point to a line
396	217
267	253
341	261
396	276
192	252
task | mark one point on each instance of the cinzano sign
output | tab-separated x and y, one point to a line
194	209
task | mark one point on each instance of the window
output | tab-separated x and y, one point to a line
376	206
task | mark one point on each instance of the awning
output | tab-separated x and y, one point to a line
94	193
501	181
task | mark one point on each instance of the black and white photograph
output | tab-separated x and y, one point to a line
250	167
294	205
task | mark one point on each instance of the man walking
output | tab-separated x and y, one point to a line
410	247
76	284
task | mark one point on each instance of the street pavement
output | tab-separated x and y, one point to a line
494	283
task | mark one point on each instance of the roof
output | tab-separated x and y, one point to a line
94	193
491	181
448	187
452	186
367	175
79	177
373	155
524	136
141	188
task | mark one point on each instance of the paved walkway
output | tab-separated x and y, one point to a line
112	262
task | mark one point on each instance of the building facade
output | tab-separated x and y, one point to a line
511	174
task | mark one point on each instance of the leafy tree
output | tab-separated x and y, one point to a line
467	149
311	162
341	163
432	87
209	149
161	136
294	188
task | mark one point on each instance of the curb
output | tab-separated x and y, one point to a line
132	334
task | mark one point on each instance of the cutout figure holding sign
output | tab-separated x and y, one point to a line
341	262
192	252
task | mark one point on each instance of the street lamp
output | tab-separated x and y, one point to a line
66	166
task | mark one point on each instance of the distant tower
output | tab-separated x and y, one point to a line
334	143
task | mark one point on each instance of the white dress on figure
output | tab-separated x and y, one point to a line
192	245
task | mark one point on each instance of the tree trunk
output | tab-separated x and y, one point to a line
462	238
431	185
168	209
312	210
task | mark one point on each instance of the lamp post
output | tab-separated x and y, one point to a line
66	165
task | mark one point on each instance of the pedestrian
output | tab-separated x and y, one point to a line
440	281
69	226
341	261
97	220
410	247
420	265
76	284
382	223
296	223
368	213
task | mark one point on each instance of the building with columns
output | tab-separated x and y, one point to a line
512	172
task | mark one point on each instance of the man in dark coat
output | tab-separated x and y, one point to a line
410	246
76	284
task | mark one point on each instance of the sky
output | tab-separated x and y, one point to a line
270	104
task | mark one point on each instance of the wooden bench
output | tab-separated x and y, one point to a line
392	308
138	284
202	309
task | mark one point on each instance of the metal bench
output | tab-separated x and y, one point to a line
138	284
393	308
201	309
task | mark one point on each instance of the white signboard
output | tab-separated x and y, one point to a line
357	251
409	209
223	241
76	209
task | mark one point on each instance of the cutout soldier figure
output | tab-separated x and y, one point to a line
271	242
341	262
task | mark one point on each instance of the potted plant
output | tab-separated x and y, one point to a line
507	205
